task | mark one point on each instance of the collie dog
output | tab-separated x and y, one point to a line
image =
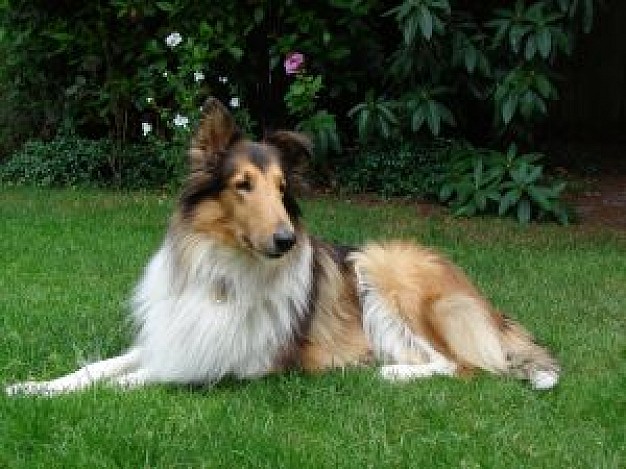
239	288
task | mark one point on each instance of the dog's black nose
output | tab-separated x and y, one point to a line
284	239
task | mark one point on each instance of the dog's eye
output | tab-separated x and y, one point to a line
244	185
282	187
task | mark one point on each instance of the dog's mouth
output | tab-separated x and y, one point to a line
272	252
274	255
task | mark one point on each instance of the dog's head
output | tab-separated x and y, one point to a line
240	192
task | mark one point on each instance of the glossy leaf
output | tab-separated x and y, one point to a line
523	211
446	114
509	106
562	216
516	34
425	20
587	16
564	5
541	196
558	188
409	30
471	56
433	119
543	85
528	103
544	42
480	199
166	6
445	192
540	105
509	199
531	48
467	210
512	150
417	119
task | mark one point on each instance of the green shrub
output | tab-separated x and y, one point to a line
152	165
106	68
403	169
375	117
445	55
64	161
70	161
322	129
486	181
470	180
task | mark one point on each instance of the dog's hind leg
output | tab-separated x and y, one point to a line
416	302
402	289
82	378
405	354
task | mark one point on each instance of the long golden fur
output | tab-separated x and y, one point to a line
240	288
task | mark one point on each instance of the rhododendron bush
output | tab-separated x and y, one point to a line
344	71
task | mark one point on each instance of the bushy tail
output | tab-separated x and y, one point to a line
525	358
479	338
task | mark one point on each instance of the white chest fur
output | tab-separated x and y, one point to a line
221	312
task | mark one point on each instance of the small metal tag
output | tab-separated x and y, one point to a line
220	291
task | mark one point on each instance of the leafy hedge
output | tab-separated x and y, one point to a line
469	180
401	169
71	161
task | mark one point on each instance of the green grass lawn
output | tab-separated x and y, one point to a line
69	261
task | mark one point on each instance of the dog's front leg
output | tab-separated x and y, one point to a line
81	378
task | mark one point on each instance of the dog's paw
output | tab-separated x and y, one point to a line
404	372
29	388
130	381
399	372
544	379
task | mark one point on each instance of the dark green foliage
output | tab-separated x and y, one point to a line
403	169
497	55
71	161
302	102
423	106
65	161
302	94
373	71
375	117
322	128
92	65
486	181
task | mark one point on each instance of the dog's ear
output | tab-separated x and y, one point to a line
216	132
296	150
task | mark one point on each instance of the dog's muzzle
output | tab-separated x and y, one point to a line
283	240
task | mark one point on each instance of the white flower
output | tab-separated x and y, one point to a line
223	80
173	39
181	121
198	76
146	128
149	100
165	74
234	102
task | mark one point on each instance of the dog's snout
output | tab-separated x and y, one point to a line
284	239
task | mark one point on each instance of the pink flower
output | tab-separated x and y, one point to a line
294	62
